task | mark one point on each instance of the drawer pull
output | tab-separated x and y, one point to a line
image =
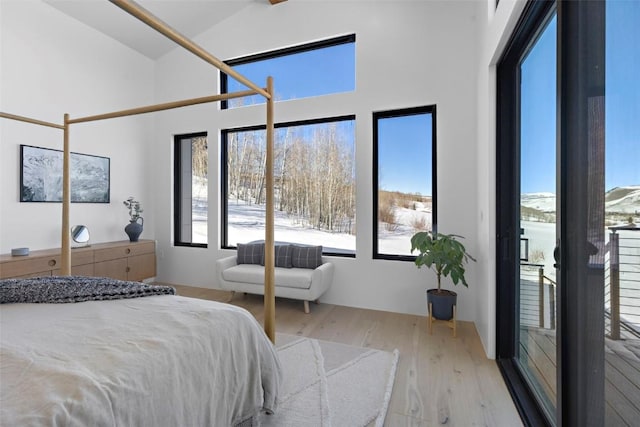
128	269
127	251
52	262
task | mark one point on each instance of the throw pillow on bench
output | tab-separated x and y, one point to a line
286	255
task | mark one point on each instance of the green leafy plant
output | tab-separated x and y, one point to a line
443	254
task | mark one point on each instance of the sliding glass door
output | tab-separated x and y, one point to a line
528	205
568	190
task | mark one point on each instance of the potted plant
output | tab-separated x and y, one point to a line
446	256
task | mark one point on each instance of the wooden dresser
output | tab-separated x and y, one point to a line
122	260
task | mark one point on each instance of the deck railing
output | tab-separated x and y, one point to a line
622	281
621	287
537	297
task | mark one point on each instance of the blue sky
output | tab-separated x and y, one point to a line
622	104
404	154
312	73
538	114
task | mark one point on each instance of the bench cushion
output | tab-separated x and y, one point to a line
285	277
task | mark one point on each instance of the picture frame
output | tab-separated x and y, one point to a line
41	176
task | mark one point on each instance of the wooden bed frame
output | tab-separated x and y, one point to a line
148	18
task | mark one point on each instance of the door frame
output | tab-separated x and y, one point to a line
531	22
580	327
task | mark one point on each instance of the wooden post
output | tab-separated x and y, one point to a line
614	262
541	296
269	258
163	106
65	256
455	321
552	306
30	120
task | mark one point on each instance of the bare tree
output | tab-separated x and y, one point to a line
314	171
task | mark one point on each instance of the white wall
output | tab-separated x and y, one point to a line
52	64
494	32
407	54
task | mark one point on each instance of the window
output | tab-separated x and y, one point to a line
404	179
313	69
191	190
314	175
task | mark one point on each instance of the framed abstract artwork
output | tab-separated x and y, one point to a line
41	176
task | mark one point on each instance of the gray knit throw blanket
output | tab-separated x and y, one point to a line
62	289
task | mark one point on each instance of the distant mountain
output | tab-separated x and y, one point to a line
623	199
617	200
543	202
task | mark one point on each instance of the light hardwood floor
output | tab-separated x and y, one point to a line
440	380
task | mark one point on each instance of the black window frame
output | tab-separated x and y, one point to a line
403	112
224	184
507	209
177	192
292	50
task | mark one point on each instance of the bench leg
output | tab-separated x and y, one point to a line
231	296
306	307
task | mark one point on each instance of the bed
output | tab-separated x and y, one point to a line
154	360
146	361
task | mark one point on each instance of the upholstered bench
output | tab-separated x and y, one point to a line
300	271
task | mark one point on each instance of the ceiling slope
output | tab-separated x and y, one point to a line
189	17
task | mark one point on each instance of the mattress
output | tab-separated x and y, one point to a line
154	361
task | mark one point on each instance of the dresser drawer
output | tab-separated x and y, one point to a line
124	251
29	266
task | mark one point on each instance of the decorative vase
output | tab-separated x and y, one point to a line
442	303
134	229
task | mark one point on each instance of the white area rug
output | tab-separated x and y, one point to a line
331	384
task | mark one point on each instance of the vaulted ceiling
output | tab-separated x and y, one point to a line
189	17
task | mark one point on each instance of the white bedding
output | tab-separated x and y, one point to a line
152	361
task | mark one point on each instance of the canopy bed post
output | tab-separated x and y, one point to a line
269	259
65	268
30	120
162	107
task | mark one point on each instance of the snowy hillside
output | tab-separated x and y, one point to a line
623	200
617	200
545	202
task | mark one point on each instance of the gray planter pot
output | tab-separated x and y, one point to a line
442	303
133	230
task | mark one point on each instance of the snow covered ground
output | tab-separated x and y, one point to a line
246	223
